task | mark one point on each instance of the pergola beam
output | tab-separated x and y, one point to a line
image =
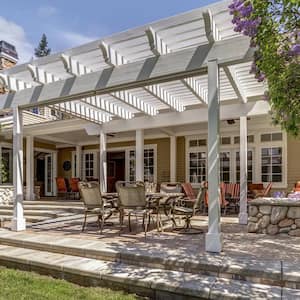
108	107
194	116
165	97
82	111
134	102
159	47
40	76
234	81
13	84
211	30
174	66
74	67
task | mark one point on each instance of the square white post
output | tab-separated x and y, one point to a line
78	161
18	221
243	215
173	154
30	168
213	239
103	163
139	155
54	169
1	165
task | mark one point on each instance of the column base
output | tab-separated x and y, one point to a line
243	218
18	224
213	242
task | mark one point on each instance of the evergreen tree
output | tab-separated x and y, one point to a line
42	49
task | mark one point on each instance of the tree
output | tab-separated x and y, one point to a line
274	29
42	49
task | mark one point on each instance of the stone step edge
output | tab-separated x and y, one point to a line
247	272
154	283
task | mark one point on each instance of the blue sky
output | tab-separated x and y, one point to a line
68	23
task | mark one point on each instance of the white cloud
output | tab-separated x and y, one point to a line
46	11
72	39
15	35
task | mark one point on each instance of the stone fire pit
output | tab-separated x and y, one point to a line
274	216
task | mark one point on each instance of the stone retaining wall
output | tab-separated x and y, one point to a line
6	194
274	216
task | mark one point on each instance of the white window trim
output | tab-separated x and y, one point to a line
126	149
255	147
95	163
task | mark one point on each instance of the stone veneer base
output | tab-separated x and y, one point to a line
274	216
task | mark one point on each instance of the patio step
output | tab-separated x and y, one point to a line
269	272
74	209
29	219
155	283
27	212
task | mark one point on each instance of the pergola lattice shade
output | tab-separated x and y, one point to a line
95	80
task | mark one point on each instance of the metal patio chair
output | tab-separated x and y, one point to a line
132	201
94	203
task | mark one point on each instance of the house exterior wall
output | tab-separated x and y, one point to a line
62	156
180	159
293	161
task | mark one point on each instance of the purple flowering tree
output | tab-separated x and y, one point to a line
274	30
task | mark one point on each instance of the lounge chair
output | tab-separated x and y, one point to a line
93	203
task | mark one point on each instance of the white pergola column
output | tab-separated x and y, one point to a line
78	161
18	221
103	163
243	215
54	165
213	239
139	155
1	165
173	153
29	168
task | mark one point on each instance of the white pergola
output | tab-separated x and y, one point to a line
185	69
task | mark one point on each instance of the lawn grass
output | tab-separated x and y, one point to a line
20	285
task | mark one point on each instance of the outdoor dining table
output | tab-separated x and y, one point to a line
163	200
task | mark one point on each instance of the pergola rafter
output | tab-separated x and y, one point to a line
234	81
159	47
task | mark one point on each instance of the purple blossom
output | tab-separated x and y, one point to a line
295	50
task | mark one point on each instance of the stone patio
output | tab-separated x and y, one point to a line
237	241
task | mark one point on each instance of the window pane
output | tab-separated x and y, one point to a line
277	136
265	137
271	164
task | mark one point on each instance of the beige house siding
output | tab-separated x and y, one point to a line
293	161
62	156
180	164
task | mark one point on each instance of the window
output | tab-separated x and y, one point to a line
89	165
271	164
225	140
250	139
197	142
197	167
6	166
225	166
249	166
271	137
149	165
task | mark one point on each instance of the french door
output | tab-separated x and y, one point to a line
48	175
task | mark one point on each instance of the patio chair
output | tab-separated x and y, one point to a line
74	187
189	212
190	194
93	203
132	200
297	187
263	193
223	202
62	189
170	187
232	194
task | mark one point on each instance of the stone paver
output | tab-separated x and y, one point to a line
128	276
